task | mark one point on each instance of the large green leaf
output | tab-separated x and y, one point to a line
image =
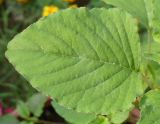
146	11
87	60
156	20
119	117
150	107
138	8
82	118
72	116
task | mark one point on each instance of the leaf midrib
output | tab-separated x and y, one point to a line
73	56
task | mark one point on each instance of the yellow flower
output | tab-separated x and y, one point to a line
73	6
23	1
70	1
49	9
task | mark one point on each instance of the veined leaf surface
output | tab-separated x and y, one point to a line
87	60
146	11
150	107
138	8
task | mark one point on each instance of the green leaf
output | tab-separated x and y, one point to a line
156	20
146	11
81	118
36	104
151	55
151	51
150	107
72	116
155	71
98	3
23	110
8	119
138	8
26	122
81	59
100	120
119	117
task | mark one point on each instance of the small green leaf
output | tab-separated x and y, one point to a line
87	60
8	119
23	110
73	116
150	108
36	104
100	120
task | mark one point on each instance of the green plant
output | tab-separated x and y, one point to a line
95	62
34	106
28	112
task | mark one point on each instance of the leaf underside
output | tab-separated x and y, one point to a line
87	60
72	116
